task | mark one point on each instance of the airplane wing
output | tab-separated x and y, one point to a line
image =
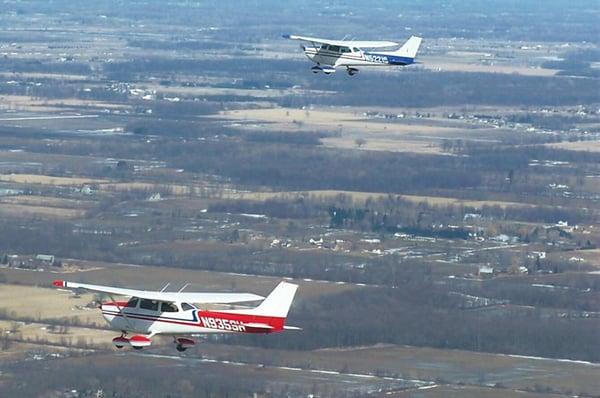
344	43
188	297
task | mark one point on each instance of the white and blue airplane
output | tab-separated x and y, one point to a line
332	54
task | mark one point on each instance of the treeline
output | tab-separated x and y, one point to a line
299	208
246	66
520	292
51	88
302	168
551	122
391	221
186	125
19	65
391	214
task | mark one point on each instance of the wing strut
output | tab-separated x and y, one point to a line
165	287
120	311
184	286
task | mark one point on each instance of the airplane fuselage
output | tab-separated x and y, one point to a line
352	57
186	322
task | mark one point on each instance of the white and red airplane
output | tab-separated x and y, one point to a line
148	313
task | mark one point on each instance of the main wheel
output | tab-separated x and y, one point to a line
180	348
137	348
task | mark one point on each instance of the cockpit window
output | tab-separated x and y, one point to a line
186	306
132	303
151	305
356	50
168	307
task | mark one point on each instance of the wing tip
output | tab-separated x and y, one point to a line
59	283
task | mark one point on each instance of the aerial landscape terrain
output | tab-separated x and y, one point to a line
442	220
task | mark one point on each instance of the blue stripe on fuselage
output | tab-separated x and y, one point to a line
391	59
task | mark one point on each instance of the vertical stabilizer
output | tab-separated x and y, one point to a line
410	48
278	302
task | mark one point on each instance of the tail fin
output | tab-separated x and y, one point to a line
410	48
278	302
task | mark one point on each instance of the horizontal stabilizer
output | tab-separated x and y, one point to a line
256	325
291	328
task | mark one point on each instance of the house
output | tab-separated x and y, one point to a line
485	271
45	258
540	255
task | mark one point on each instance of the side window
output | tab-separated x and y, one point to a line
132	303
151	305
168	307
345	50
334	49
186	306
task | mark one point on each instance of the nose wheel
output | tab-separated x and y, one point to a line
352	71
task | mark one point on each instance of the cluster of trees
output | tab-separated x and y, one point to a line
391	221
552	122
577	63
137	378
299	208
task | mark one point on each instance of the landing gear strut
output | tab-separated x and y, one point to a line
121	341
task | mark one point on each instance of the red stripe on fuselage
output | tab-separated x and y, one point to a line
120	304
275	322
